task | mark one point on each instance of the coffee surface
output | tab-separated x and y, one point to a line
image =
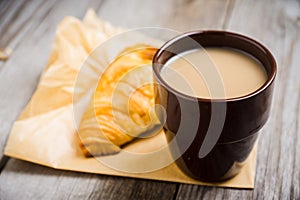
214	73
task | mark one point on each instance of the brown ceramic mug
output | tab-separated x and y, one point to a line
195	122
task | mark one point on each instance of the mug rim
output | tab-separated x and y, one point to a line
247	39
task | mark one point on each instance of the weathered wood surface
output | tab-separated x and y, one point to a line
28	27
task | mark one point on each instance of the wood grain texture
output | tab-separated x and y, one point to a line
37	182
180	15
29	27
276	24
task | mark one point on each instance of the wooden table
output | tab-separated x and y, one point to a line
28	27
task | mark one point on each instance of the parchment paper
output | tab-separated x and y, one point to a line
45	132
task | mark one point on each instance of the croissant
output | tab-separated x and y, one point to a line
122	104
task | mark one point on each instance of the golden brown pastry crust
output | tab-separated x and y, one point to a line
119	109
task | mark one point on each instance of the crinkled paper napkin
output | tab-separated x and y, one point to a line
45	133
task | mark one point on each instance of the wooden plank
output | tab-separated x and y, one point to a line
20	12
276	24
37	182
180	15
23	180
